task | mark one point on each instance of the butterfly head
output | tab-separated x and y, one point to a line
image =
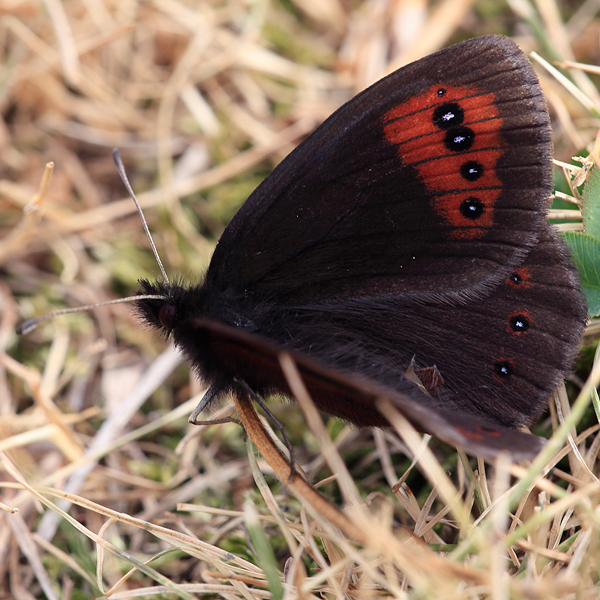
178	311
171	308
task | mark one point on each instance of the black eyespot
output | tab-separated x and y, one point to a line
166	316
471	170
519	323
515	278
472	208
459	139
448	115
441	92
503	369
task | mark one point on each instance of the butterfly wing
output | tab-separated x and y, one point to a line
407	229
500	356
504	354
431	183
473	433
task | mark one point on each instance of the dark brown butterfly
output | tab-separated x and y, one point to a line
409	228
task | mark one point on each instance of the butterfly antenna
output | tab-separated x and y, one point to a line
29	325
125	179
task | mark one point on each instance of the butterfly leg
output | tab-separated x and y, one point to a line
213	392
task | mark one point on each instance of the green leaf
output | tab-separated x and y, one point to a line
590	210
586	254
264	550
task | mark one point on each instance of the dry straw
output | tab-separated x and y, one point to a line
116	494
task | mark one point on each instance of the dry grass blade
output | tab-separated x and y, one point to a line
203	99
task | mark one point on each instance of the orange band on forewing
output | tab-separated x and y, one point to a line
421	144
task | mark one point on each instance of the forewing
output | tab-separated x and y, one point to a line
432	183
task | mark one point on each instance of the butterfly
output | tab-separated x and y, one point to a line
406	233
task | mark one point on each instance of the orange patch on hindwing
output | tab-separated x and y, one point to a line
451	136
479	433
